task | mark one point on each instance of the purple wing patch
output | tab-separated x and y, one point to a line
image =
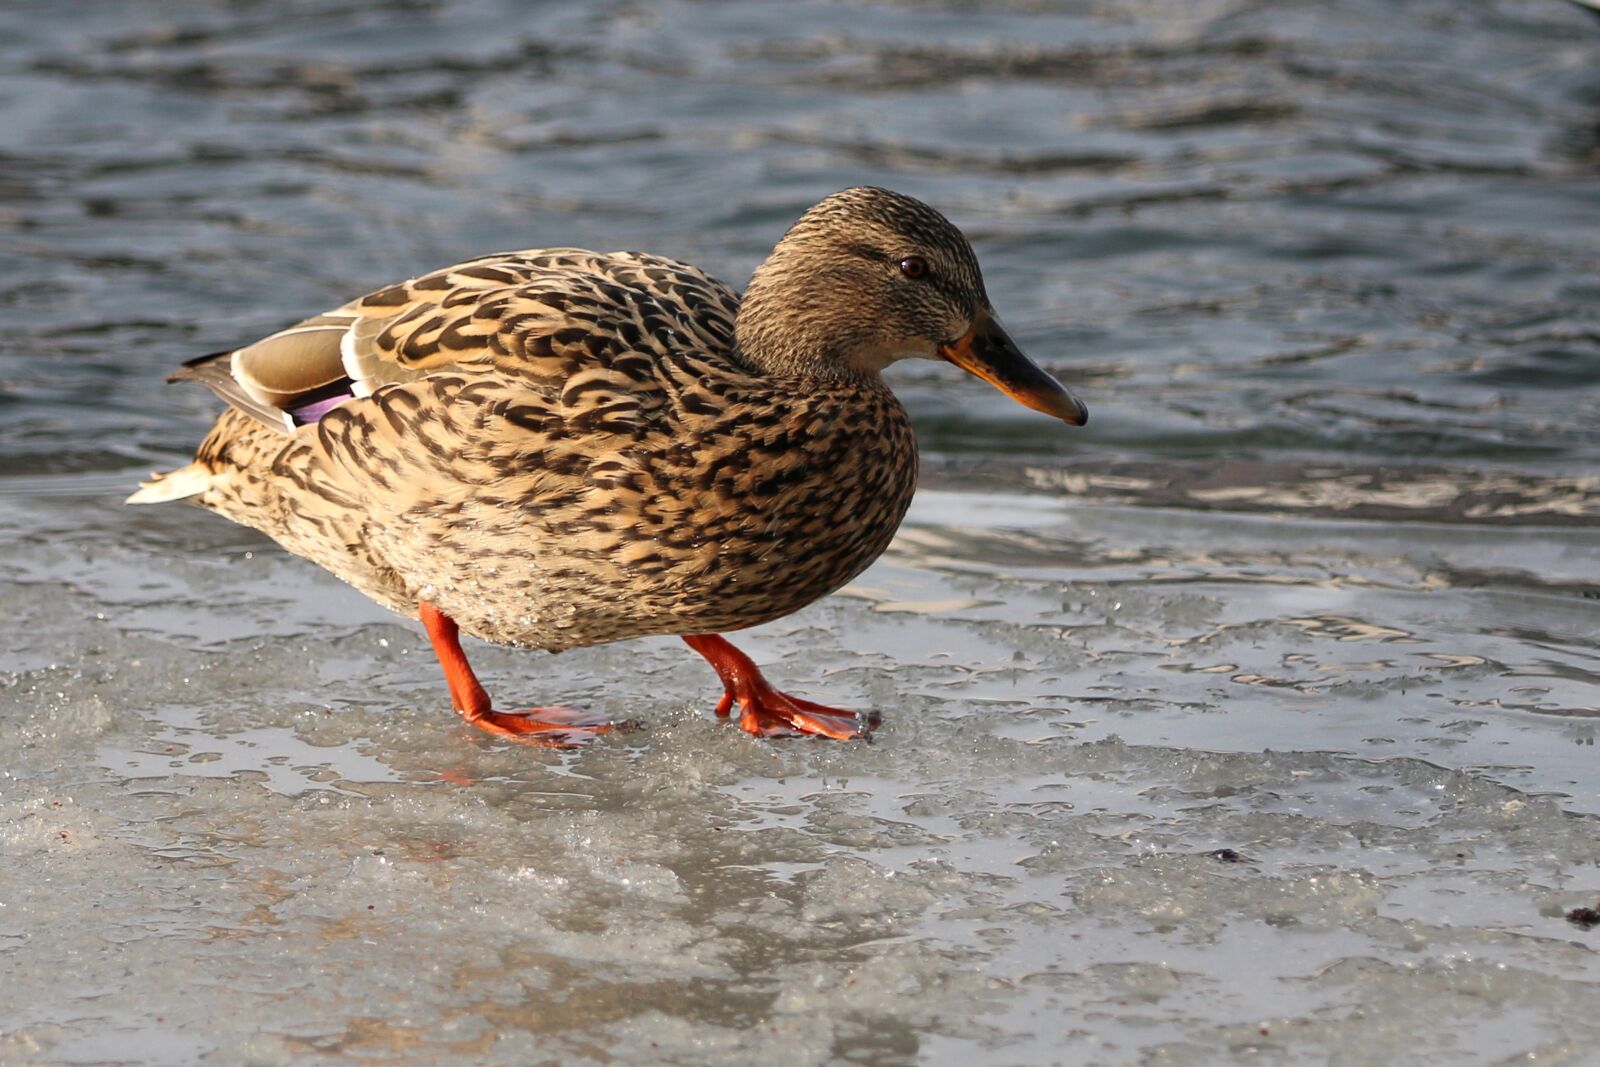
313	406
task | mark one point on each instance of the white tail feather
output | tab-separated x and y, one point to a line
173	485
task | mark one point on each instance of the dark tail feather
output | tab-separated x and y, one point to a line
196	369
215	372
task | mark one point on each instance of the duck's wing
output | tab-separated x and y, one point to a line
281	373
564	321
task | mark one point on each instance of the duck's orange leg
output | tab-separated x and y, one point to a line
763	710
553	727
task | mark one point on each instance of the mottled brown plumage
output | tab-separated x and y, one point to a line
558	448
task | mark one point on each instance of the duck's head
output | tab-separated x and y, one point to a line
868	277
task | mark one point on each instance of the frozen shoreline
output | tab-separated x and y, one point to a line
277	847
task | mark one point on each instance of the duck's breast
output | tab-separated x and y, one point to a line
728	517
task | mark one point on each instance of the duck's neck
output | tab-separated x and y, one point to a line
788	324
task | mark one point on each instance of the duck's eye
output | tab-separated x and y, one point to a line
914	267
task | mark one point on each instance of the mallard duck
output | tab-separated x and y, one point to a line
558	448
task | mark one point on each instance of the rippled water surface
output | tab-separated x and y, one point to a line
1253	723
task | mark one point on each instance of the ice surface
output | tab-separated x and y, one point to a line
1146	792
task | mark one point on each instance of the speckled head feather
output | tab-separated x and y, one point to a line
832	299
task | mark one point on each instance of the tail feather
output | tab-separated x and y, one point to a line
174	485
215	372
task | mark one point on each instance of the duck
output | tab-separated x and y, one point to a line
558	448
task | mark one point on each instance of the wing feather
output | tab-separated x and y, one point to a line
590	331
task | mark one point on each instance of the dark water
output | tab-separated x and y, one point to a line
1319	583
1348	233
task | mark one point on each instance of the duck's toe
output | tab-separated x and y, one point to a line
558	726
766	711
771	713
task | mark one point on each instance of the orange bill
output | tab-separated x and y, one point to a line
988	352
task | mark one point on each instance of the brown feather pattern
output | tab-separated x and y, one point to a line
561	447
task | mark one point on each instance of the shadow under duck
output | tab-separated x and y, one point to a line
558	448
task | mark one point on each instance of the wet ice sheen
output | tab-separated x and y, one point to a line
286	848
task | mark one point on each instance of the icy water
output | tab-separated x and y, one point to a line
1252	724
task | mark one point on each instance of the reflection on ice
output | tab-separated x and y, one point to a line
180	745
1143	784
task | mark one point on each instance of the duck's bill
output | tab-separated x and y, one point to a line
988	352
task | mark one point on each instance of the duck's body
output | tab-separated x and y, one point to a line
568	451
559	448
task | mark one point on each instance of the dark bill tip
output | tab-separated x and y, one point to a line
987	351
